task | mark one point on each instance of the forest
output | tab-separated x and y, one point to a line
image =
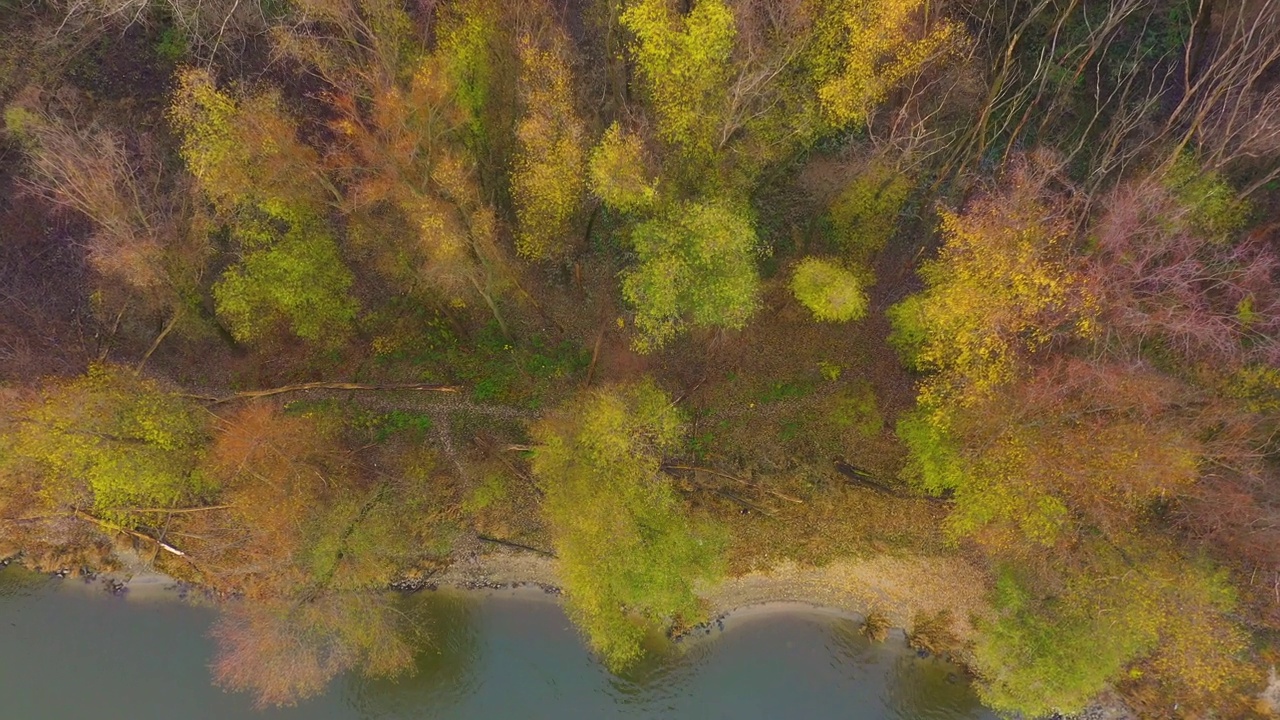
305	298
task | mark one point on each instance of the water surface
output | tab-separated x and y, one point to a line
68	652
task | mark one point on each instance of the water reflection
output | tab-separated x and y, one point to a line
444	672
484	659
929	689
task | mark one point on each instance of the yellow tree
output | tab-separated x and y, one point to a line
863	48
621	173
685	64
1062	467
1001	287
549	174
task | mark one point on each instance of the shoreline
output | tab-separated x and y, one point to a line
845	590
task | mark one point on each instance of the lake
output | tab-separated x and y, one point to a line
69	651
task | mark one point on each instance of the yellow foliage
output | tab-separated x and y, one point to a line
619	171
1000	288
864	48
111	442
243	150
547	182
685	64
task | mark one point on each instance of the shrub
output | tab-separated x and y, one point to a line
831	293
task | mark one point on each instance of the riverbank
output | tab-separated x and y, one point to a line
898	588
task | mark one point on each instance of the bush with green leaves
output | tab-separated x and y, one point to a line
865	214
630	553
832	293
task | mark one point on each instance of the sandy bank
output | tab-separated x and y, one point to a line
897	587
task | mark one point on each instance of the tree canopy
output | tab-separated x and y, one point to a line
631	553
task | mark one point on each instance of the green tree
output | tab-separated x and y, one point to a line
630	554
270	189
471	48
832	293
696	265
865	213
289	271
112	443
1047	652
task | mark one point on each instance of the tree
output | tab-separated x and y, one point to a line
1000	288
408	143
1075	448
863	48
865	214
1047	652
1066	440
243	149
747	83
1168	269
684	62
270	189
475	48
832	293
695	266
289	272
620	171
630	554
278	474
548	179
145	241
112	443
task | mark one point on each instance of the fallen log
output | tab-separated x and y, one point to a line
861	478
112	526
300	387
508	543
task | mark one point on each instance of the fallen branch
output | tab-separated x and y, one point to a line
861	478
727	476
508	543
742	501
177	511
300	387
111	526
595	357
